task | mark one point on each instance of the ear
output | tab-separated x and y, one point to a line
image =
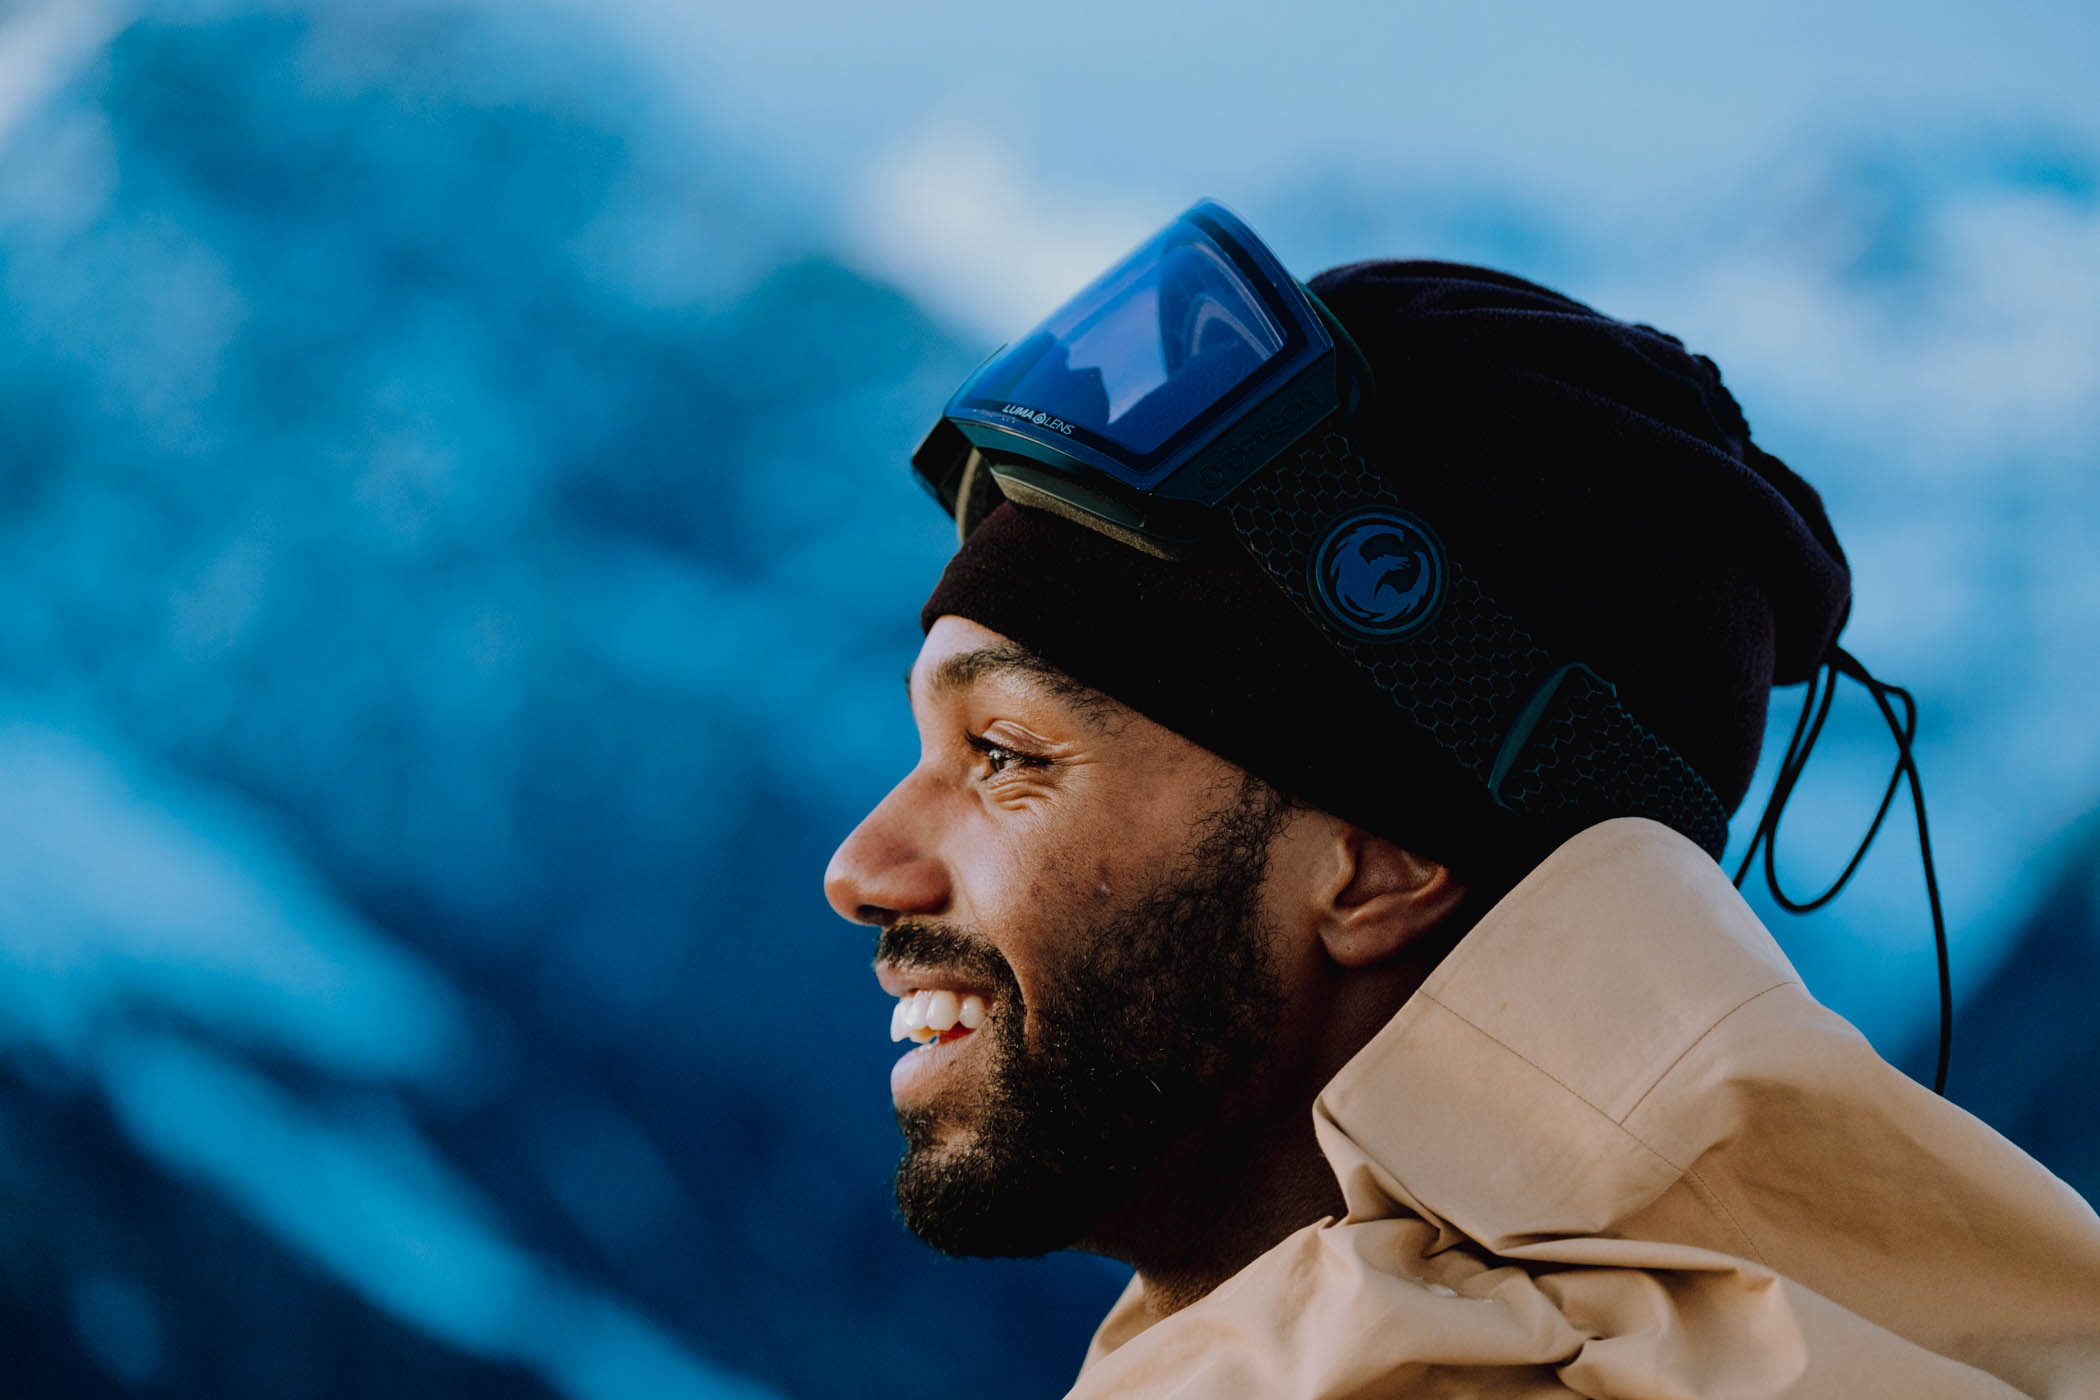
1383	899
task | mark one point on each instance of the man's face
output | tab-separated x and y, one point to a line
1096	882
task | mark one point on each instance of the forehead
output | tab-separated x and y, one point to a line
965	662
960	656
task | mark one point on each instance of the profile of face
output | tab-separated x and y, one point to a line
1088	888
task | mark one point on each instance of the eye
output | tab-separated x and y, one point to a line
998	757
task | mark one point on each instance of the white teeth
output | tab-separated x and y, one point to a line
942	1011
927	1015
915	1017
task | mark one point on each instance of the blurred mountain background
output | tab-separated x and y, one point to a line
456	562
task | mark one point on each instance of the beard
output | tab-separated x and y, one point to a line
1160	1014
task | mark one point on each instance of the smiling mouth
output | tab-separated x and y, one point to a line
935	1017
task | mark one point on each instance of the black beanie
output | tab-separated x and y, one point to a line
1594	476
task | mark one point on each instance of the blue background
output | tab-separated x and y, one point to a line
456	561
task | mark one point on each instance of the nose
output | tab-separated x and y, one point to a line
886	866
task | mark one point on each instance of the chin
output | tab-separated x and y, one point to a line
965	1197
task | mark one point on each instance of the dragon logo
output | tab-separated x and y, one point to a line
1380	574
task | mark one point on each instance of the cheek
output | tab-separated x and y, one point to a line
1009	890
1036	902
1084	884
1036	887
1035	869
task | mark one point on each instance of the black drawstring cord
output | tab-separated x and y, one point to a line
1815	709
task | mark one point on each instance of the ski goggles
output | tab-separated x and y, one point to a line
1145	400
1196	393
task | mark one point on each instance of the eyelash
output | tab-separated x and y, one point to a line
1001	757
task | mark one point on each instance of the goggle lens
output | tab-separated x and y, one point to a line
1138	356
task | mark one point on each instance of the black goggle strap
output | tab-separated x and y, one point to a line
1815	709
1548	738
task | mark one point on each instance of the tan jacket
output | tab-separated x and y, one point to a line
1612	1147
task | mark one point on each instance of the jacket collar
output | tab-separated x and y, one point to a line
1518	1096
1497	1103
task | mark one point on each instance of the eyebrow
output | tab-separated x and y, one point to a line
966	668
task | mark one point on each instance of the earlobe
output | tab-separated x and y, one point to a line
1387	900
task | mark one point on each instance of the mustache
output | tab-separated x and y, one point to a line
945	946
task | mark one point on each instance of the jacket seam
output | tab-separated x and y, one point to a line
1699	1183
1700	1188
1573	1092
1718	1206
1699	1040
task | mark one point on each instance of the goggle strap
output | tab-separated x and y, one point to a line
1548	738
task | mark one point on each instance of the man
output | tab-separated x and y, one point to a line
1307	892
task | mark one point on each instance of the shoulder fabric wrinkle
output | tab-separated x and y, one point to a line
1614	1148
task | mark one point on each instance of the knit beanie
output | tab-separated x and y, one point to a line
1594	476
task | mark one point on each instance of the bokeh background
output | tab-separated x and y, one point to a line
457	559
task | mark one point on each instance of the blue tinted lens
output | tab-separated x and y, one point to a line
1137	356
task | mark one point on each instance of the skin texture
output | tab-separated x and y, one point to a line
1159	1015
1175	960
